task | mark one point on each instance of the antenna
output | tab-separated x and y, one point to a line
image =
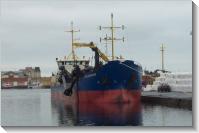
112	38
162	49
72	31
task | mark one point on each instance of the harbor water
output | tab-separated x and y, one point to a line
40	107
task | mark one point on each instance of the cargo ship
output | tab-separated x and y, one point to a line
113	80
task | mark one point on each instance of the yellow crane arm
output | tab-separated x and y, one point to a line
92	45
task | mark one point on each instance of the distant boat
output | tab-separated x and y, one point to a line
33	86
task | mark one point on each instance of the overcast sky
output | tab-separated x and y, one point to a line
32	32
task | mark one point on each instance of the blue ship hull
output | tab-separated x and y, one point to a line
116	81
113	75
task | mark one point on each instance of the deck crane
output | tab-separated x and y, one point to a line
94	48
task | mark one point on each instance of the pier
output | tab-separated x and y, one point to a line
172	99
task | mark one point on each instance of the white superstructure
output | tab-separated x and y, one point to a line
69	64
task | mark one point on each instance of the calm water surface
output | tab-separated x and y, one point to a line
40	107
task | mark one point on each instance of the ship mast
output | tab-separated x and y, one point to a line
72	31
112	38
162	49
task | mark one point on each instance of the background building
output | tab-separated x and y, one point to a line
13	79
24	78
34	76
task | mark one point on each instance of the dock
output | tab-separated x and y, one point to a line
172	99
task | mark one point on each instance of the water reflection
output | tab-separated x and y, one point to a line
109	114
40	107
65	112
157	115
95	114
